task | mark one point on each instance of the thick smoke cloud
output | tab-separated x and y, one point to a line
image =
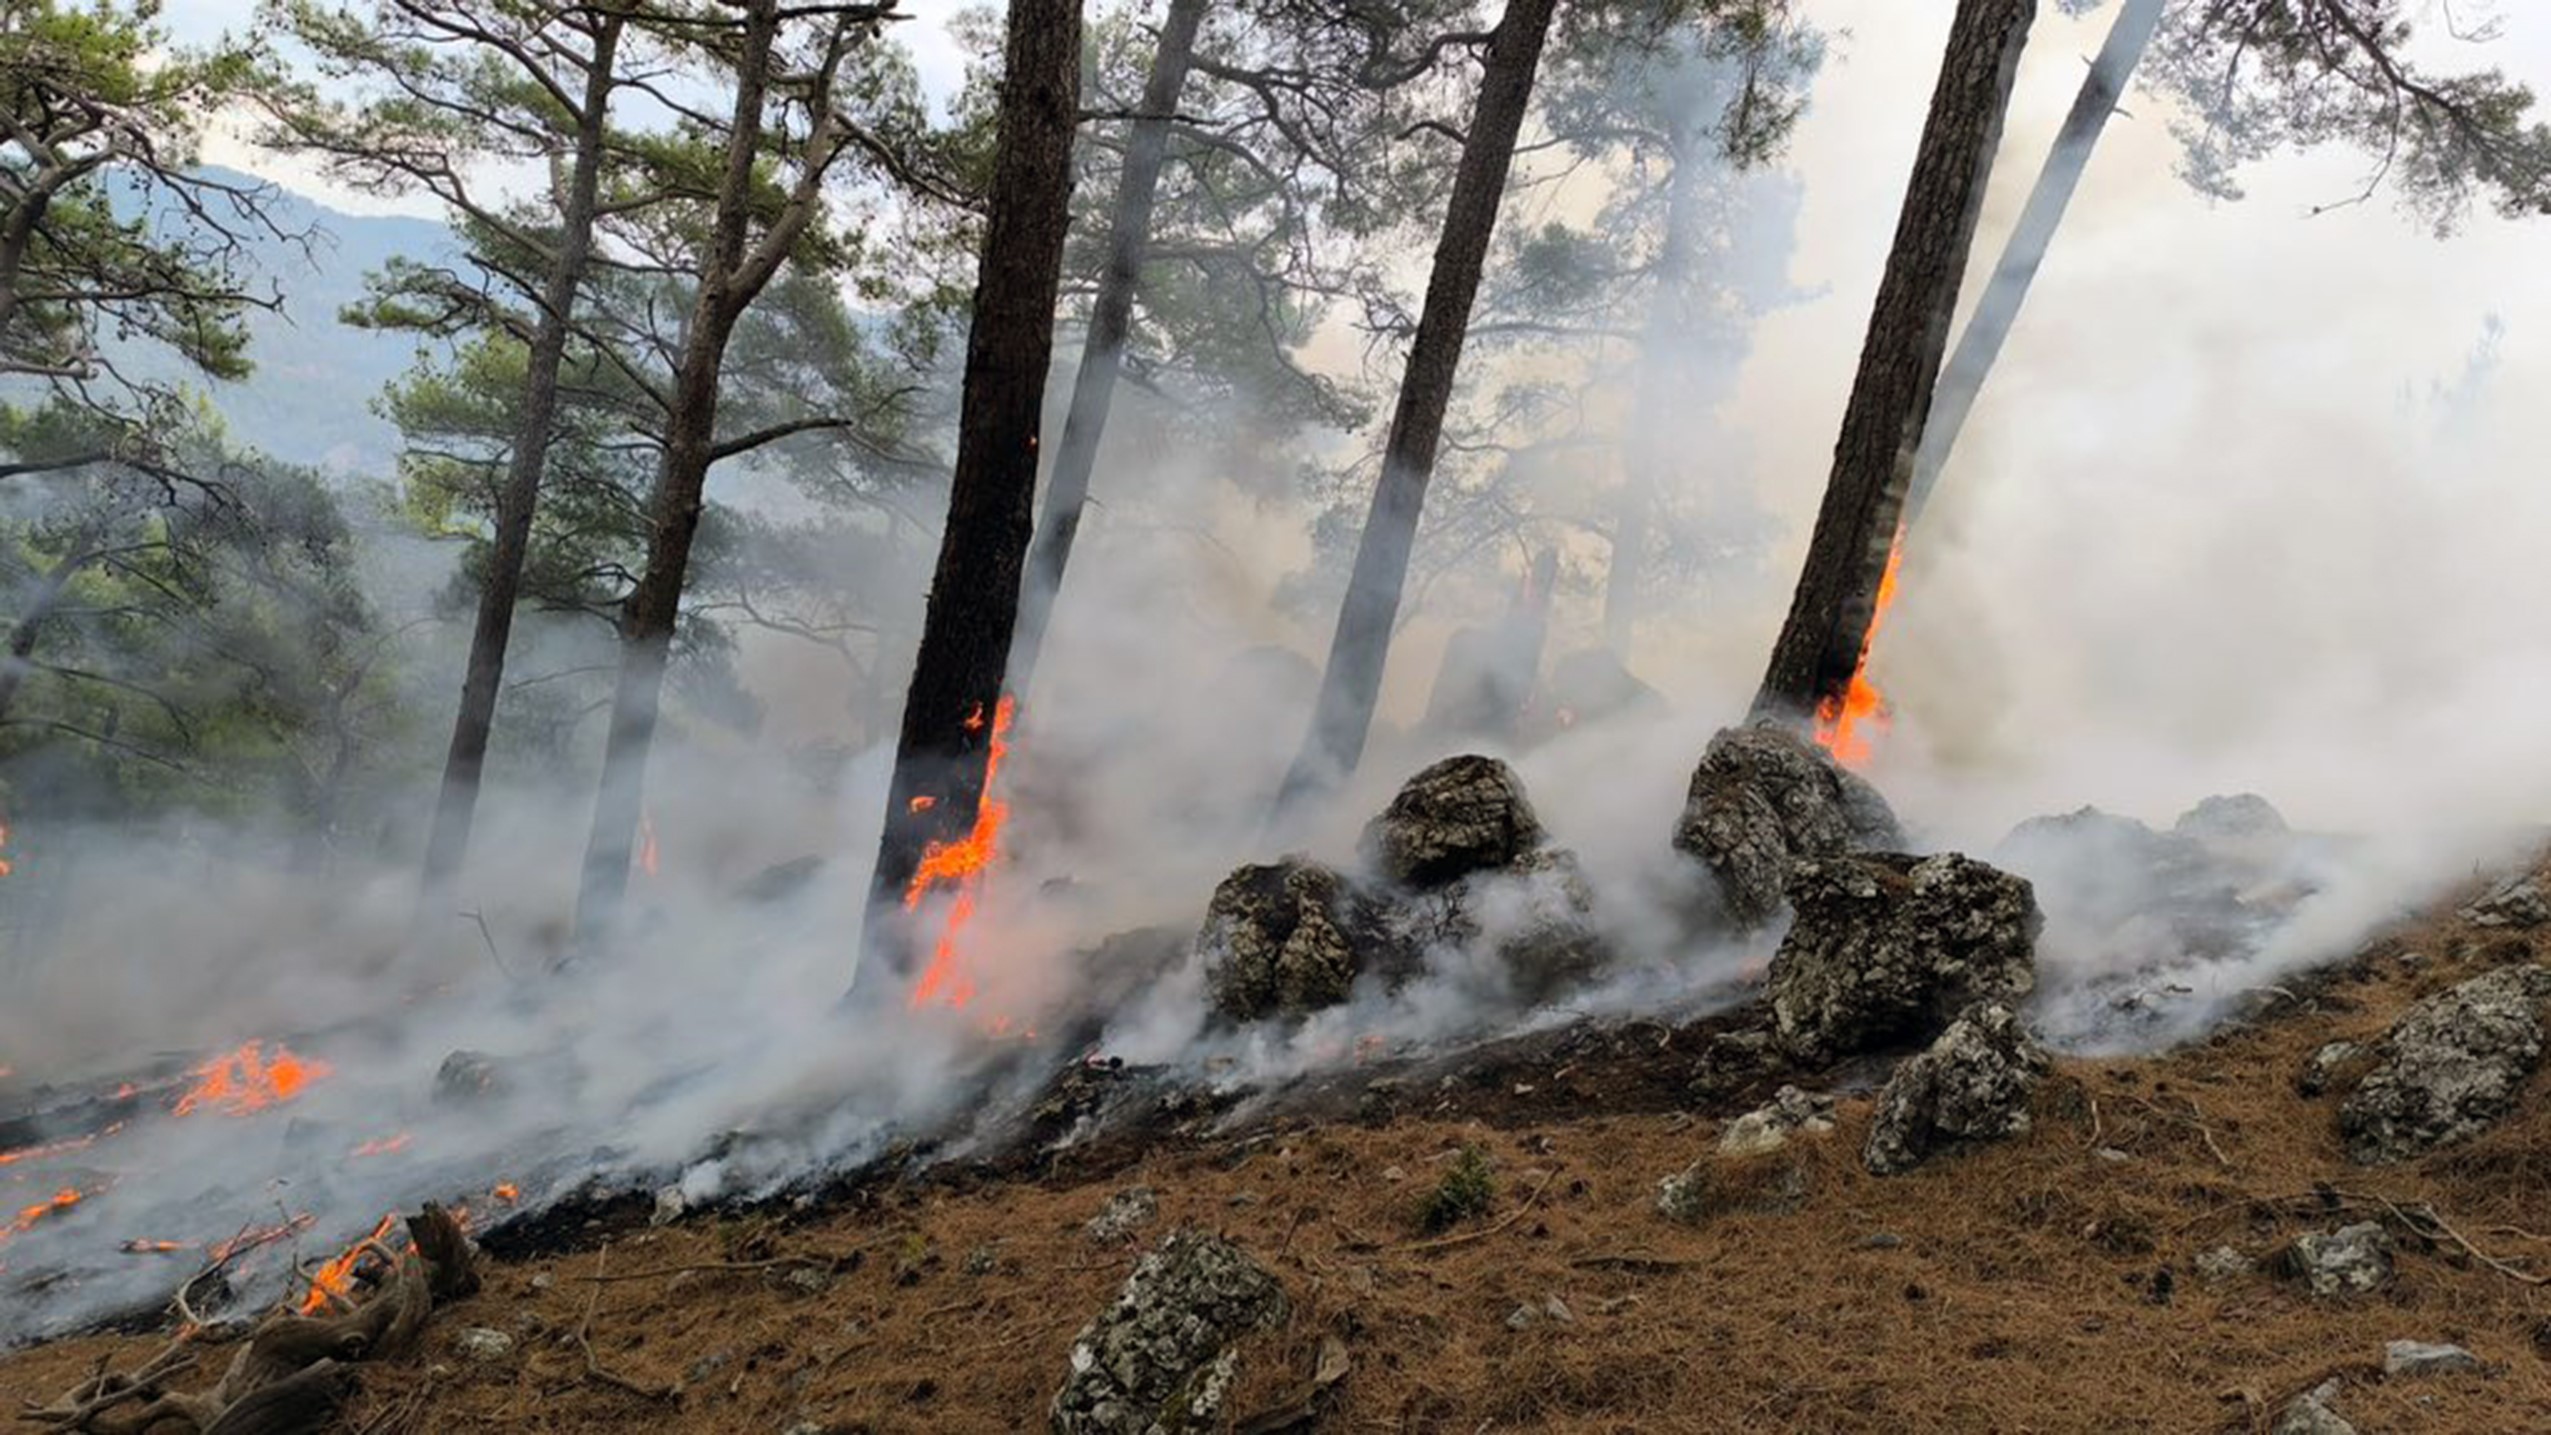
2211	530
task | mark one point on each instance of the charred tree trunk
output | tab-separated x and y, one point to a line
1352	682
966	631
515	506
1980	343
1103	350
1819	645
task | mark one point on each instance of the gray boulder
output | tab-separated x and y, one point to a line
2333	1065
1762	800
1163	1356
1888	948
2450	1068
2348	1261
1974	1084
2310	1413
2517	902
1461	815
1124	1212
2417	1357
1534	920
1286	938
1769	1127
2237	817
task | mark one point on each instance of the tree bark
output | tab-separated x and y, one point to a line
1352	681
1820	643
1980	343
673	507
1103	350
484	677
973	609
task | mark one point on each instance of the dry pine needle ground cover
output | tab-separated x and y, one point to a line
2038	1286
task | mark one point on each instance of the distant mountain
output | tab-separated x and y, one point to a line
310	399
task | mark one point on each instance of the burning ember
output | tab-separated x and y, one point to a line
1844	725
961	865
27	1216
38	1153
248	1080
5	870
506	1192
335	1280
384	1146
647	854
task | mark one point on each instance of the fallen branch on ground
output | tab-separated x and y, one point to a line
295	1372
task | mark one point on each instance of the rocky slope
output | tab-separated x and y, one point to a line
2182	1243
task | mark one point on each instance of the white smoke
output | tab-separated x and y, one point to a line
2204	535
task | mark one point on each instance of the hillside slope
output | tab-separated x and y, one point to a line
2049	1284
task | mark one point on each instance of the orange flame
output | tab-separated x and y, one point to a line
1844	725
247	1080
507	1192
337	1277
38	1153
61	1200
385	1145
647	855
5	869
152	1248
961	864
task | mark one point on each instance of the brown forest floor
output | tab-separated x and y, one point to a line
2019	1297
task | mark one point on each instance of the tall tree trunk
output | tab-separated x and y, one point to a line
1647	448
1980	343
1352	682
966	631
1103	350
1820	643
515	506
673	507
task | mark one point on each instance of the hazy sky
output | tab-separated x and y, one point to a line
2205	530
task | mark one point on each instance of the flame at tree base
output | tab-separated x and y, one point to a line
1846	725
961	865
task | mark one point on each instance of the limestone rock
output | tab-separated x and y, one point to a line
1768	1128
481	1344
1974	1084
1462	815
1764	799
1887	948
1162	1357
2240	816
2451	1067
1127	1209
2348	1261
2310	1413
2222	1266
1766	1183
2335	1064
2517	902
1285	938
2415	1357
